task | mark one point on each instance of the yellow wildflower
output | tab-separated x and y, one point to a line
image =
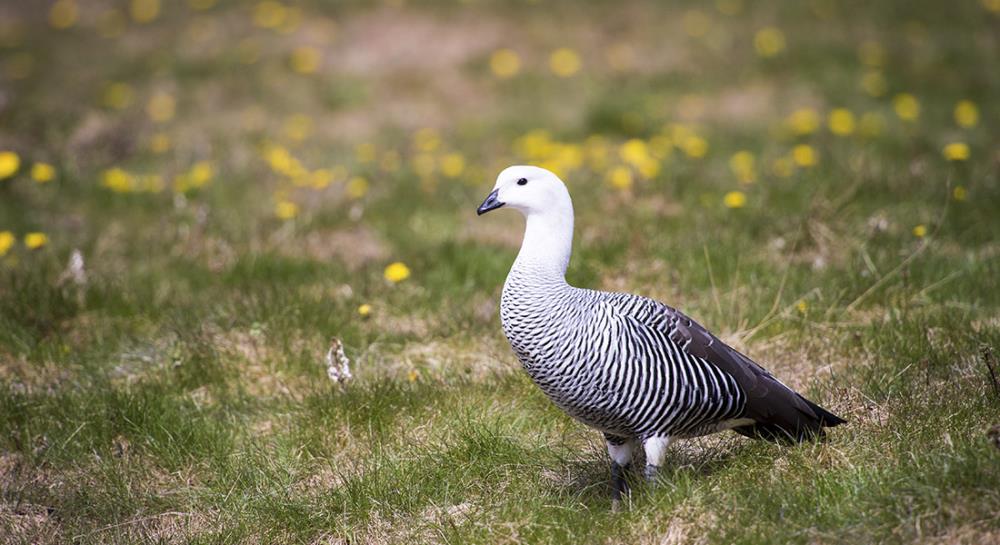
306	60
783	167
803	121
694	146
161	107
871	53
956	151
201	173
160	142
269	14
634	151
564	62
873	83
42	172
920	231
769	41
10	162
396	272
802	306
991	5
426	140
505	63
118	96
286	210
364	310
743	165
620	177
357	187
907	106
298	127
413	375
63	14
117	180
7	240
959	193
144	11
966	113
734	199
804	155
841	122
452	165
365	152
35	240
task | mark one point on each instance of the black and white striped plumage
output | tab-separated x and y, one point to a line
627	365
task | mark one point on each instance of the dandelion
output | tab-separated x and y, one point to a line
802	306
959	193
7	241
634	152
505	63
286	210
35	240
841	122
873	83
769	41
920	231
305	60
159	143
452	165
907	106
564	62
694	146
201	173
364	310
956	151
357	187
966	114
144	11
161	107
396	272
743	165
269	14
426	140
118	96
783	167
620	177
734	199
871	53
365	152
63	14
117	180
10	162
803	121
413	375
298	127
42	172
805	156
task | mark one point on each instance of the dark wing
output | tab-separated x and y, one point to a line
779	411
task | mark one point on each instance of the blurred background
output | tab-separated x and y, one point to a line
196	195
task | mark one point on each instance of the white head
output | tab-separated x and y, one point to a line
543	199
531	190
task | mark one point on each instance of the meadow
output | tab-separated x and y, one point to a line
197	196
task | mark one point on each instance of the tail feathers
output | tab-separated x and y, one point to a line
804	428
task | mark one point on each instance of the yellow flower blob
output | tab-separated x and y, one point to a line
396	272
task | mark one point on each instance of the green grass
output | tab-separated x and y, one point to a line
180	394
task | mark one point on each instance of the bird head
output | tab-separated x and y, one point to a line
531	190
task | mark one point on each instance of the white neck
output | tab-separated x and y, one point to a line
547	245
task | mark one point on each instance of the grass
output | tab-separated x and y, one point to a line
179	393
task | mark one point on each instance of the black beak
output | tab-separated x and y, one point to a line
491	203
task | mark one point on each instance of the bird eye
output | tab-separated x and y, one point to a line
522	181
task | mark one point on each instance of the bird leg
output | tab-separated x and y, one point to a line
656	451
620	450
